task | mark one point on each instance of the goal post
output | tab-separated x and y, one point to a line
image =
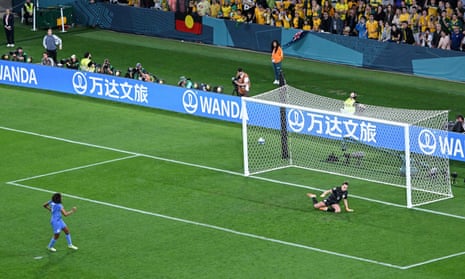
384	145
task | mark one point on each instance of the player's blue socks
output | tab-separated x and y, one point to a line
68	238
52	242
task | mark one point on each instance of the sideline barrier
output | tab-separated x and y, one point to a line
219	106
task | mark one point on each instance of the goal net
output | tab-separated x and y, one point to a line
288	127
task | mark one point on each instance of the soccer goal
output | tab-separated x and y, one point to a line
288	127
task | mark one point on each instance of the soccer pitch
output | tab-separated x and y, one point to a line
161	195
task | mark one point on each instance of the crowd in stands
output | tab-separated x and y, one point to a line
427	23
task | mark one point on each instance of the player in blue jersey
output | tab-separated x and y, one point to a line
57	210
331	203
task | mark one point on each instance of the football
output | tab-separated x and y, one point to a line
261	140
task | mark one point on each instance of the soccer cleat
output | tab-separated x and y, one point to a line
51	249
276	82
310	195
71	246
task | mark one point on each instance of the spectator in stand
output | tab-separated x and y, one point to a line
449	10
203	8
372	28
214	9
351	21
287	19
444	41
426	38
327	7
407	34
307	26
46	61
390	12
436	35
380	14
337	25
316	23
396	18
326	22
385	32
342	8
297	21
456	21
260	14
404	15
361	28
316	8
445	22
225	10
456	38
395	34
432	7
423	21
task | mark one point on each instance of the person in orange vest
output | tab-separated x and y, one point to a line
276	58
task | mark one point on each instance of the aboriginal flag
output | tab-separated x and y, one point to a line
190	23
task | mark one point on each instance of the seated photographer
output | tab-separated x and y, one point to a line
459	124
141	74
46	61
242	82
107	68
185	82
71	62
19	55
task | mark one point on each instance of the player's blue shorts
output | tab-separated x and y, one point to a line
57	226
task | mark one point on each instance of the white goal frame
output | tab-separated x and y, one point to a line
246	102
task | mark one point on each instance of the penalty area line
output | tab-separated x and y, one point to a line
75	168
213	227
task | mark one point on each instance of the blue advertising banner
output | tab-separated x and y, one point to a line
228	108
124	90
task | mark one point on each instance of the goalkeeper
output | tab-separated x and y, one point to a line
331	203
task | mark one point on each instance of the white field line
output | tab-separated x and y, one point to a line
135	154
76	168
213	227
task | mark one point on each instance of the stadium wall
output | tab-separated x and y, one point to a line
219	106
346	50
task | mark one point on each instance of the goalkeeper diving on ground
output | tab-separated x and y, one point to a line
331	203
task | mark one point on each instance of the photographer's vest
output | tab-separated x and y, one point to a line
349	105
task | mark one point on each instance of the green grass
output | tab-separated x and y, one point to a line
190	168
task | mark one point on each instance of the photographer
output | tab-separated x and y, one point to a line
86	64
107	68
242	83
19	55
70	63
141	74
